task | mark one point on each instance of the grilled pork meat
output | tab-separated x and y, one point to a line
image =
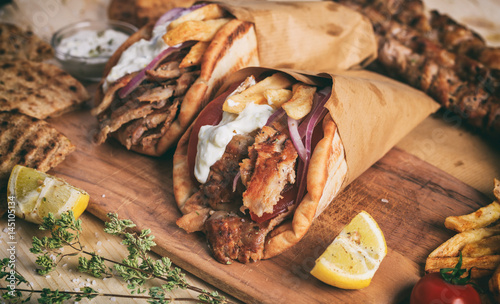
266	162
145	115
233	237
460	83
271	167
439	28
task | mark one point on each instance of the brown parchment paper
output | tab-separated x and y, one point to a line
372	114
313	36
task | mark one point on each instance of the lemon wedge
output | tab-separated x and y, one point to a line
36	194
351	260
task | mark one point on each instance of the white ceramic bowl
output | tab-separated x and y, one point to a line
91	66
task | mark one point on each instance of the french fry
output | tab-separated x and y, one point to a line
301	102
482	266
277	97
207	12
486	246
194	30
236	103
478	219
494	284
452	247
195	55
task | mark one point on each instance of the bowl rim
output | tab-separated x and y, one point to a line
80	25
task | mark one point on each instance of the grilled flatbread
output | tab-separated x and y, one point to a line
18	44
38	89
29	142
156	114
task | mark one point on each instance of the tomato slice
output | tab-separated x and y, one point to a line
210	115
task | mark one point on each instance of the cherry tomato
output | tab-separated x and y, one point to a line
433	289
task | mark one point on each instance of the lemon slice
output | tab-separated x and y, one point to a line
36	194
352	259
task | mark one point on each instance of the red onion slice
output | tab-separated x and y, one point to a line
136	81
317	113
275	116
235	180
175	13
293	127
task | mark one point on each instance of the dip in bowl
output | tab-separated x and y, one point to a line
84	48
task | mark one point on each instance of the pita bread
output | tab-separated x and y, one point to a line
29	142
233	47
140	12
38	89
18	44
325	177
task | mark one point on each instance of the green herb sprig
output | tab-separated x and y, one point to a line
136	269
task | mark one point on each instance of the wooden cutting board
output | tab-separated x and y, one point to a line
408	198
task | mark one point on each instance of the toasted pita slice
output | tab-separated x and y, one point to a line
326	174
18	44
29	142
38	89
233	47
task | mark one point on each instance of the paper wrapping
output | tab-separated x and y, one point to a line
311	36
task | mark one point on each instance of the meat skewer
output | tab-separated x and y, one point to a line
461	84
440	28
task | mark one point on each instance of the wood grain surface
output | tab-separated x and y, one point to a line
138	187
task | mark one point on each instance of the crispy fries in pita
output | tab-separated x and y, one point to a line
277	97
486	246
481	218
236	103
195	55
207	12
482	266
194	30
301	103
452	247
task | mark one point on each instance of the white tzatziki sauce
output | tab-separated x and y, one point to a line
137	56
92	44
212	140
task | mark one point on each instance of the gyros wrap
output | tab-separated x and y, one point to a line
262	194
162	76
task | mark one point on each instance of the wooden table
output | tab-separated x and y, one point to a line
447	145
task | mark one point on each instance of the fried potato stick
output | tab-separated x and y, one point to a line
277	97
486	246
236	103
195	55
301	102
481	266
478	219
194	30
452	247
207	12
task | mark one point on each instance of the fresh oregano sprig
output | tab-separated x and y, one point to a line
137	268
